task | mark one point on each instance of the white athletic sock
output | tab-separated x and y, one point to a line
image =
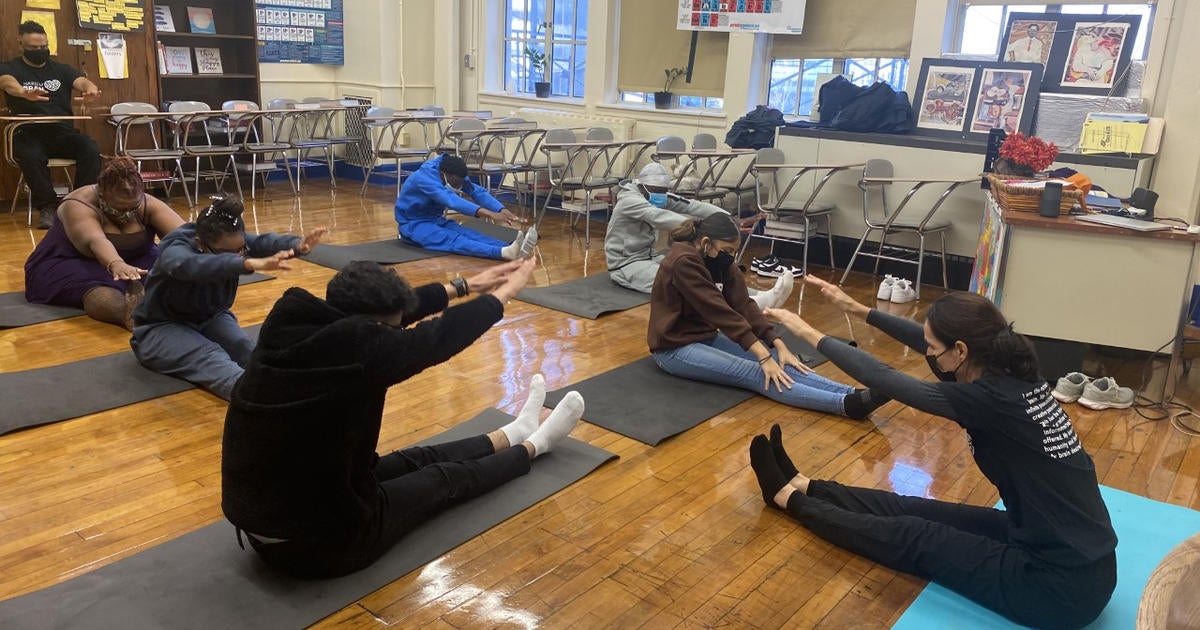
783	288
527	245
558	425
511	251
764	299
526	423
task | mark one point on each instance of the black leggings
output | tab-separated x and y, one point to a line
962	547
415	484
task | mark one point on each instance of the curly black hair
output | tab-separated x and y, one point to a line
369	288
223	216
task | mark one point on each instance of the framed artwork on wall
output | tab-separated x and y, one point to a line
1080	53
967	99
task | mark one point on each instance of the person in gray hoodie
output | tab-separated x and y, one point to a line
643	208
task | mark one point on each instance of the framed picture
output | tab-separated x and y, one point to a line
943	94
967	99
1080	53
1029	41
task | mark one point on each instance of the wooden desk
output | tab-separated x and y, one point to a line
1065	279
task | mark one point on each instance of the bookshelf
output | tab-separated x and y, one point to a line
235	37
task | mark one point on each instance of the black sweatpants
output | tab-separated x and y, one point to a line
415	484
962	547
34	145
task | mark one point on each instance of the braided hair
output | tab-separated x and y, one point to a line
120	179
223	216
993	344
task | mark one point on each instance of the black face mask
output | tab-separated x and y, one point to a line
37	57
946	376
718	266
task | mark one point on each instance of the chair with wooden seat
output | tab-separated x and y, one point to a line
877	177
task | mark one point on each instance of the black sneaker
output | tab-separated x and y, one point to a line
765	263
46	218
779	269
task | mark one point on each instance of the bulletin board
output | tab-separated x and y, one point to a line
742	16
112	15
301	31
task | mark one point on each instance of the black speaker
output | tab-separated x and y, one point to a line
1051	200
1144	200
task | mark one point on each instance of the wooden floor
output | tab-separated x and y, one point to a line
663	537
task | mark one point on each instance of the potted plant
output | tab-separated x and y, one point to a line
665	99
537	68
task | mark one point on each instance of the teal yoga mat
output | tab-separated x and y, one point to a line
1146	530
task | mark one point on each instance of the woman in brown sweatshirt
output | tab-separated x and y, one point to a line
705	327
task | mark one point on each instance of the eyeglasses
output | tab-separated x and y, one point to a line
242	251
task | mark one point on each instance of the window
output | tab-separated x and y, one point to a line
557	28
980	27
693	102
793	89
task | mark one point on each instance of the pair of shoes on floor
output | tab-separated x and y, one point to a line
773	267
896	290
1101	393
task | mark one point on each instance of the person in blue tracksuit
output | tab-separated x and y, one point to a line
435	186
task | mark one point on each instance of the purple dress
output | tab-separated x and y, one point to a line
56	273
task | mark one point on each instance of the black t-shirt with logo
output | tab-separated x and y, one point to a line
56	78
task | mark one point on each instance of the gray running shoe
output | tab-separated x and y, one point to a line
1103	393
1070	387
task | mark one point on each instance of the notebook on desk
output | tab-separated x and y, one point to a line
1125	222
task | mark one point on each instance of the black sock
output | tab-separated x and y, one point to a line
860	403
781	457
770	478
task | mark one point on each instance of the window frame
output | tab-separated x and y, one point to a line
838	66
960	20
516	81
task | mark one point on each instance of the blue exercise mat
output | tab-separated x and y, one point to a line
1146	531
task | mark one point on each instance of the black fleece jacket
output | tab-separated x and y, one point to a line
303	422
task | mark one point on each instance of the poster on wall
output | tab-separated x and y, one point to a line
958	98
742	16
112	15
301	31
1081	53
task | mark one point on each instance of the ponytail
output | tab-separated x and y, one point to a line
688	232
718	226
1012	354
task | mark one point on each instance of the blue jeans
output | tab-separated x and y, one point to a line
210	355
724	362
443	235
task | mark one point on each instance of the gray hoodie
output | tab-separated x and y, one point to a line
634	224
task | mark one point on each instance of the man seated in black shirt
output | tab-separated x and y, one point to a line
34	85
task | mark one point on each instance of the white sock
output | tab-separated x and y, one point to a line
558	425
526	423
783	288
764	299
527	245
510	251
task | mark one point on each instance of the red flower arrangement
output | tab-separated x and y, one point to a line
1030	151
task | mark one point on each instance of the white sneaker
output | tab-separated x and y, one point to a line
1103	393
885	288
1070	387
903	292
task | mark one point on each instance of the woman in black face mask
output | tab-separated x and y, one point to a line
704	327
1047	561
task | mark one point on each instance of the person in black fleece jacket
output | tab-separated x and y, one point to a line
1048	560
300	474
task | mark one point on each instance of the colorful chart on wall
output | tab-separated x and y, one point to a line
112	15
301	31
736	16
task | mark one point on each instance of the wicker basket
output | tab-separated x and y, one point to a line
1024	199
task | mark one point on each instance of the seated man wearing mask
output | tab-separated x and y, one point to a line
36	86
435	186
643	208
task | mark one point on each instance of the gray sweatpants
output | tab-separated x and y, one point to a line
638	275
211	354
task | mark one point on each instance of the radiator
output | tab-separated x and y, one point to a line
358	153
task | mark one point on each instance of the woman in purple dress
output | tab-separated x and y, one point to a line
100	246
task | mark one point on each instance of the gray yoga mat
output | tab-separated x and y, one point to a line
387	252
641	401
203	580
61	392
16	312
590	296
500	232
